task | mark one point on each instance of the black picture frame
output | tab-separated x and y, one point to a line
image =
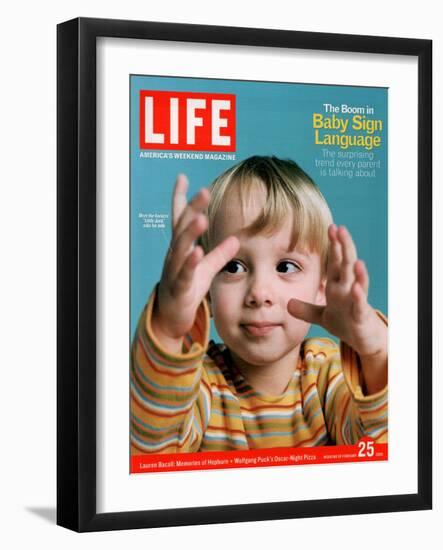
76	273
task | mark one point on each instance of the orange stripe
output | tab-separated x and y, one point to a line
206	385
308	388
225	430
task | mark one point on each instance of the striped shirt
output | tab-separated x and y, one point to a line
199	400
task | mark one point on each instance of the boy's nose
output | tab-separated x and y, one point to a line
259	294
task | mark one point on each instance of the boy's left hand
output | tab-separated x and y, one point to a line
347	314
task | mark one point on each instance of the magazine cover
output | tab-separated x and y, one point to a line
258	274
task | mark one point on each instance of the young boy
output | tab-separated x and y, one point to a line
269	263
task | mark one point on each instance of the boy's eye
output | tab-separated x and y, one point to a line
287	267
234	267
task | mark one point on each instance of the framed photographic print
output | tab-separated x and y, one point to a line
244	274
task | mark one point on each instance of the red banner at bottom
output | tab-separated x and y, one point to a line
366	450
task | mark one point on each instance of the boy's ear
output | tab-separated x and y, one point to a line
321	293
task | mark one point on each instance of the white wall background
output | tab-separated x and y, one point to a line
28	270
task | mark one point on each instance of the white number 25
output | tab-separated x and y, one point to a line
366	448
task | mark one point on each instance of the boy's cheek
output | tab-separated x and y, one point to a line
221	293
313	295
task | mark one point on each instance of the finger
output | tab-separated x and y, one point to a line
186	274
359	302
183	245
215	260
361	275
179	198
349	254
335	257
198	203
305	311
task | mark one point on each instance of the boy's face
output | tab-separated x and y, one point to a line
249	297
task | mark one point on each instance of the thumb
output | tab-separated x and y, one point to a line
305	311
220	256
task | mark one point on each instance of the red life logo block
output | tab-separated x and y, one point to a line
187	121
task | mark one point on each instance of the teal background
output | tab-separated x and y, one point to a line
272	119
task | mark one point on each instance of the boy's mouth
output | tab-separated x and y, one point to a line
259	329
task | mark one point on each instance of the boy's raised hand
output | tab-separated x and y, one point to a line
347	314
187	272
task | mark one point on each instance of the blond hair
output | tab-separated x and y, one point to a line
288	191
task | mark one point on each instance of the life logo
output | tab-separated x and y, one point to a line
189	121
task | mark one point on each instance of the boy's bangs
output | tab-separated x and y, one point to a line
309	228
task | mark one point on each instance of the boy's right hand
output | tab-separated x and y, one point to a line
187	273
